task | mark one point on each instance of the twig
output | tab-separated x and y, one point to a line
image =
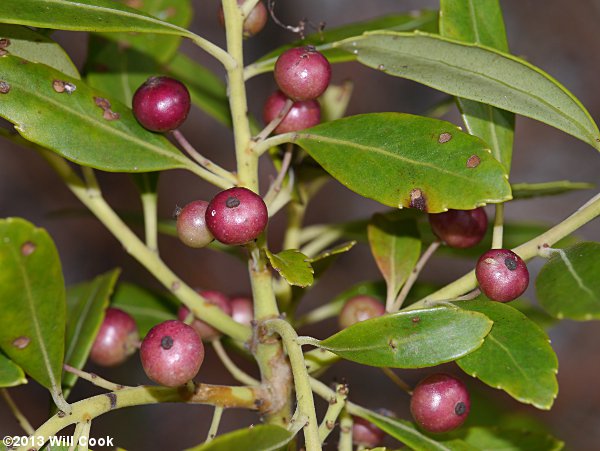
397	380
285	109
346	423
336	405
94	379
498	231
276	185
214	425
21	419
237	373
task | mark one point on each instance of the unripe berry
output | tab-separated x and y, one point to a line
302	114
206	331
460	228
242	310
172	353
366	434
302	73
191	225
236	216
117	338
254	22
360	308
161	104
440	403
502	275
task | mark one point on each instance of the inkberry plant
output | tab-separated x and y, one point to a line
301	115
117	338
415	167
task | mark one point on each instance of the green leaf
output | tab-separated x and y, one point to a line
334	101
86	304
264	437
568	286
339	249
323	41
36	47
73	124
481	23
147	308
32	324
477	73
528	190
403	160
411	339
500	439
516	356
293	266
395	246
11	374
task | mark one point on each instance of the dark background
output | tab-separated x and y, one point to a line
560	37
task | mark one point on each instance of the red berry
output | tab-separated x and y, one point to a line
161	104
172	353
302	73
360	308
366	434
117	338
206	331
242	310
191	224
302	114
236	216
460	228
254	22
440	403
502	275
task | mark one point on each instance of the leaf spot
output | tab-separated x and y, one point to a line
4	87
108	114
417	200
134	3
393	345
27	248
416	319
113	400
21	342
473	161
61	86
444	137
381	67
4	42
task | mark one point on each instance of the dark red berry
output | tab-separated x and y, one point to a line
161	104
502	275
172	353
460	228
242	310
254	22
302	73
366	434
117	338
236	216
191	224
206	331
302	114
360	308
440	403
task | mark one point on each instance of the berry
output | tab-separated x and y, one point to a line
302	114
360	308
191	224
161	104
206	331
242	310
236	216
302	73
366	434
460	228
440	403
117	338
502	275
254	22
172	353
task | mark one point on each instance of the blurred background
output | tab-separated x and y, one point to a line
560	37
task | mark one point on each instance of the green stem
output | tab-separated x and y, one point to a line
21	419
233	369
498	231
94	379
214	425
261	147
336	405
149	206
346	423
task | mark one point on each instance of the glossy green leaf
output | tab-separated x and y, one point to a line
31	46
32	324
11	374
395	246
509	440
411	339
528	190
264	437
86	303
419	20
73	124
476	73
293	266
147	308
403	160
481	23
516	356
568	286
534	313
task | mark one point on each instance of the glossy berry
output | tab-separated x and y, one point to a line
502	275
366	434
172	353
460	228
302	73
242	310
303	114
236	216
191	225
161	104
116	340
254	22
440	403
360	308
206	331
